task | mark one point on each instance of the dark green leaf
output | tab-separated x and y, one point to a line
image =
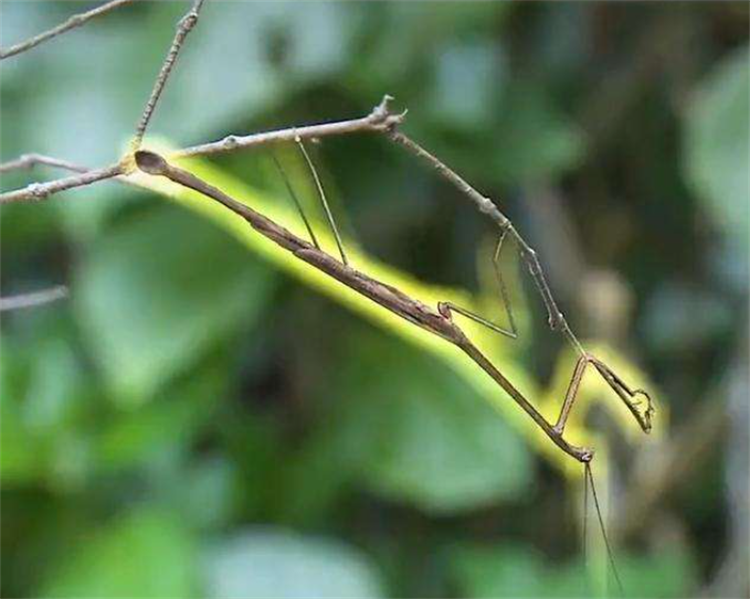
157	292
718	146
420	434
148	553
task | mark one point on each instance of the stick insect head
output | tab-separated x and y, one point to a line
150	162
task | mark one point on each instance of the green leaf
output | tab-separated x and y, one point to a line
717	147
475	66
514	570
44	403
504	571
135	436
421	434
270	563
669	573
157	292
211	492
534	140
19	461
148	553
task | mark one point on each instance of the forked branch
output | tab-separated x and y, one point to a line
378	121
41	191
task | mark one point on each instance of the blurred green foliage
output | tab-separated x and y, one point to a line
146	328
519	571
717	144
195	423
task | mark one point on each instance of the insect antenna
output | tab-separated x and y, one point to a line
585	511
610	553
295	199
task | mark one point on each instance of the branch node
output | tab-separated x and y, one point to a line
381	111
381	117
394	120
37	191
486	205
187	22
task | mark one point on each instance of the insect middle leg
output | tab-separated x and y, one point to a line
323	201
446	308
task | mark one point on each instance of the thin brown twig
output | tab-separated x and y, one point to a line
36	298
71	23
40	191
556	318
378	121
385	295
32	160
184	27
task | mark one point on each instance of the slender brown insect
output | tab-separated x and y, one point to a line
439	323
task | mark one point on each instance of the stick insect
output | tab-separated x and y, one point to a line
440	321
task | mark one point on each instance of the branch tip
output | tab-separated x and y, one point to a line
383	106
382	111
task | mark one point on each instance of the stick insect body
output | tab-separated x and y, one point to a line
438	322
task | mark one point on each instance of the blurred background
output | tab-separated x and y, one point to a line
193	422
